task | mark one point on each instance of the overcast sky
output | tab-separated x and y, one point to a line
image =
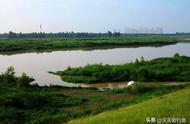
93	15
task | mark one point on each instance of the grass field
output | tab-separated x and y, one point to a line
46	44
174	105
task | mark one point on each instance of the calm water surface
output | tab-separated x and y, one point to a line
37	65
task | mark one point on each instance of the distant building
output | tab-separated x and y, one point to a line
144	31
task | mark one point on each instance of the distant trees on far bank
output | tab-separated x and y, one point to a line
114	34
12	35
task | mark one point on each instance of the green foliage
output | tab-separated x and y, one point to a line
24	81
11	116
8	77
12	35
160	107
116	104
47	105
24	100
175	68
176	55
35	107
39	44
57	104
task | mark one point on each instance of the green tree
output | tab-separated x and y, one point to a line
109	34
142	59
24	81
176	55
12	35
9	76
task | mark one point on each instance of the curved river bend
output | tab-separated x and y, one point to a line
37	65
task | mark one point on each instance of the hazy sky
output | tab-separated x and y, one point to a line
93	15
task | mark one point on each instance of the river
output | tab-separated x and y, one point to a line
37	65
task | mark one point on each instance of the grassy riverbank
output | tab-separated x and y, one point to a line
46	44
160	107
21	102
176	68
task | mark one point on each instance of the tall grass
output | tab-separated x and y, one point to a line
160	107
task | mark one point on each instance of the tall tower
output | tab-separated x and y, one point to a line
40	28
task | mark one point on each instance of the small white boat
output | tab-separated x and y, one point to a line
130	83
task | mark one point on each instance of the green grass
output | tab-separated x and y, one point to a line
174	105
21	102
176	68
49	105
46	44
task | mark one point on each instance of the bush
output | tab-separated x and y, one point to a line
8	77
24	81
11	116
24	100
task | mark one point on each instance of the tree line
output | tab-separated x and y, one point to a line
60	34
12	35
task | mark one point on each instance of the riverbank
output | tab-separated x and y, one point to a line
49	44
174	68
21	102
120	85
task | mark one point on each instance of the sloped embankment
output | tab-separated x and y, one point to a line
174	105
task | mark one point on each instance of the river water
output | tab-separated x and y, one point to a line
37	65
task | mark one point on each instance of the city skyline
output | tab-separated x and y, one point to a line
93	16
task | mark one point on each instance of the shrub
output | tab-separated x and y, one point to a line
24	100
8	77
24	81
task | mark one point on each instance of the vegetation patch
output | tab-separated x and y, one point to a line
176	68
46	44
158	108
21	102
